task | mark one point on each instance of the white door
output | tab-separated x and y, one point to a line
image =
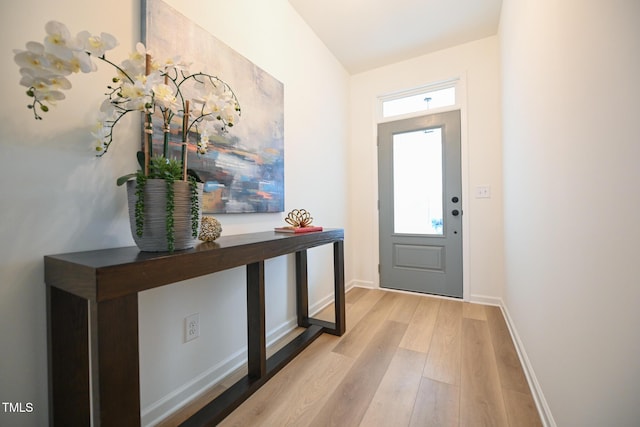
420	204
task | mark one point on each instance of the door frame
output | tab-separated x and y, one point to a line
434	257
464	169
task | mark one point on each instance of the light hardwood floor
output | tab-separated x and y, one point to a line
405	360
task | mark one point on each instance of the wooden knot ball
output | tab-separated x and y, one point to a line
210	229
299	218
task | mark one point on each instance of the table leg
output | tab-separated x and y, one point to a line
257	346
338	279
115	361
68	334
302	289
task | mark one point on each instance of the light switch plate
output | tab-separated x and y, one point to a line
483	192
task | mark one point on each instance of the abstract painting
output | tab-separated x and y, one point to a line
242	170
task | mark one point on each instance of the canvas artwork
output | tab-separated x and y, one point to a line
242	170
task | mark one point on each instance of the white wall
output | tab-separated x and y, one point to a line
570	82
478	63
56	197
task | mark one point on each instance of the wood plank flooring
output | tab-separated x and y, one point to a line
405	360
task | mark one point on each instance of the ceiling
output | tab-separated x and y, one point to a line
366	34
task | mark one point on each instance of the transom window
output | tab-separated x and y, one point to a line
419	99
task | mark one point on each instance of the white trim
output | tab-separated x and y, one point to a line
165	406
485	299
428	112
400	291
362	284
536	391
461	104
461	100
404	93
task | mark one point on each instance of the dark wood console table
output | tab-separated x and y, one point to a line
92	305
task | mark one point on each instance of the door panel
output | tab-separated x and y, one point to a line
419	177
419	256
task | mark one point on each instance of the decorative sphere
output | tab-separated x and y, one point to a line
210	229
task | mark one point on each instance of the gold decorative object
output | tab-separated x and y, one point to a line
210	229
299	218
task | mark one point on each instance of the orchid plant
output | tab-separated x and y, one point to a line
157	89
162	91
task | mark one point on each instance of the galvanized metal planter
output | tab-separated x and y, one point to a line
154	234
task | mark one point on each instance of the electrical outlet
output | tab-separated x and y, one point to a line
191	327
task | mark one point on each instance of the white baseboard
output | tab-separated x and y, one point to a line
361	284
536	390
484	299
162	408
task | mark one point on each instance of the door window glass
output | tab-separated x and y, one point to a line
417	182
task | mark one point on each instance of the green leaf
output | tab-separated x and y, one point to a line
125	178
140	156
194	175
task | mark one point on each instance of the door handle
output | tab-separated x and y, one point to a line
455	212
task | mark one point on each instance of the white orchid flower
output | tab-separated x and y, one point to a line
175	66
142	85
202	145
139	55
230	115
52	82
49	96
58	41
221	90
153	79
62	66
82	61
35	47
135	65
27	59
96	45
133	90
206	130
136	96
43	80
213	104
165	97
101	134
38	83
